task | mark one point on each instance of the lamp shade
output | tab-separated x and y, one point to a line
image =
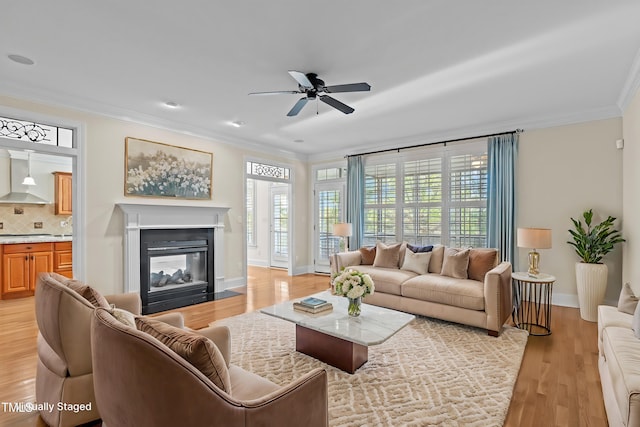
342	229
534	238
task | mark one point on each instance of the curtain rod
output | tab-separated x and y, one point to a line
433	143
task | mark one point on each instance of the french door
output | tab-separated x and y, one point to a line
329	202
279	226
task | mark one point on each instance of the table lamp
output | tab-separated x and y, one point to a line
344	230
534	238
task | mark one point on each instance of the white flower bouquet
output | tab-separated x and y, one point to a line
353	284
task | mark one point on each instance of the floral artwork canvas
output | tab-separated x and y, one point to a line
154	169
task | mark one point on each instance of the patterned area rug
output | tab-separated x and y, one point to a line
431	373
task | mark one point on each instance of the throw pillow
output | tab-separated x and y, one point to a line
387	256
124	316
94	297
419	249
635	323
481	261
437	256
628	301
455	263
368	255
416	262
196	349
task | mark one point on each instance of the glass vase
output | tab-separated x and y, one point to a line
354	306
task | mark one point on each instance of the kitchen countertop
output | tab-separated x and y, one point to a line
34	238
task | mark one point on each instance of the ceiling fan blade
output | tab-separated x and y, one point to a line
336	104
302	79
352	87
296	108
276	92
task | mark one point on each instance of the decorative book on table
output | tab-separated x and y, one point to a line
312	305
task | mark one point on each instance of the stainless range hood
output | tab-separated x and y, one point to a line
19	193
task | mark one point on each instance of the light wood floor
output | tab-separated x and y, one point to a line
558	383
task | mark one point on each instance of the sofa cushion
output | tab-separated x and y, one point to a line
437	256
418	249
124	317
87	292
622	354
387	256
462	293
246	385
455	263
481	261
387	280
368	254
416	262
196	349
627	301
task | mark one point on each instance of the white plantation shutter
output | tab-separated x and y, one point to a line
433	195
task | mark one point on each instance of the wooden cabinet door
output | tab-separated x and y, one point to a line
40	262
64	190
16	275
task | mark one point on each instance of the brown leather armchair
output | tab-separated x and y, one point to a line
140	382
64	372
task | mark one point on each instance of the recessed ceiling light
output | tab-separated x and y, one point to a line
21	59
171	104
237	123
298	140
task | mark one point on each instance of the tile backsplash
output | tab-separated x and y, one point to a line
32	216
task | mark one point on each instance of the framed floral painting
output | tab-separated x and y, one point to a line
154	169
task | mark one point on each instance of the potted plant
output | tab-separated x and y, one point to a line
592	242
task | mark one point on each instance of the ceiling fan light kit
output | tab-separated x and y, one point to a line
314	88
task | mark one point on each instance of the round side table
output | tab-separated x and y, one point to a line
532	302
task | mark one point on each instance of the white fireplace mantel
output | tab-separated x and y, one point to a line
147	216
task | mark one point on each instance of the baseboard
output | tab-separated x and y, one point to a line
258	262
571	300
303	269
565	300
236	282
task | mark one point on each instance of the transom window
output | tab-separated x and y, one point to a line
436	195
38	133
263	170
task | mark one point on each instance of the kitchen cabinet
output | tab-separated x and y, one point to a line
21	264
63	259
63	192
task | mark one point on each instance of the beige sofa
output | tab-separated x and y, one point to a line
483	303
619	366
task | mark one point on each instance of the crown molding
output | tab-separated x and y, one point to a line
540	122
84	105
631	85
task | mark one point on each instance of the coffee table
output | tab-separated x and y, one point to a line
335	337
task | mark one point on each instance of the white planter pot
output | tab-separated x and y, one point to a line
592	284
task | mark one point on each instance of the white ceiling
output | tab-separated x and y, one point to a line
438	69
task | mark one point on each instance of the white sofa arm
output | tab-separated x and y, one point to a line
498	300
344	259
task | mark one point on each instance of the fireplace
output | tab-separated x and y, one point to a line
176	268
173	238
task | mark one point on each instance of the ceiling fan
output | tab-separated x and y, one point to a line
313	88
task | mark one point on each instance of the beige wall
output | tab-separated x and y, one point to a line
104	157
631	193
562	172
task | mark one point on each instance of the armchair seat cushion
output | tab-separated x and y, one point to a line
246	385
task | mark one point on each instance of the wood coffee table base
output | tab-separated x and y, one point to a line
337	352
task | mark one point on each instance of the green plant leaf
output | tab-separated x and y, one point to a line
591	244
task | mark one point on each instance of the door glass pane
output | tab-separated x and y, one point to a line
280	225
328	214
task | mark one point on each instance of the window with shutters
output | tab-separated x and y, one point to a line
431	195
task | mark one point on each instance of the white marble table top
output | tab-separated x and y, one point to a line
375	324
538	278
